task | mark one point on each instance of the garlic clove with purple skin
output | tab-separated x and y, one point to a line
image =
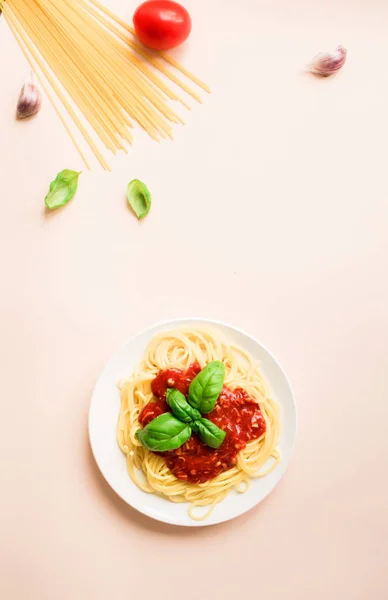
326	63
29	102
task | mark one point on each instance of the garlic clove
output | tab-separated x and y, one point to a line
29	102
326	63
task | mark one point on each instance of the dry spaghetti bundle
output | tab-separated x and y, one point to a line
99	79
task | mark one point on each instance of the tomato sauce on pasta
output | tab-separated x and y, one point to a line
235	412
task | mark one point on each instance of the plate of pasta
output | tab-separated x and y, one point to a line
192	422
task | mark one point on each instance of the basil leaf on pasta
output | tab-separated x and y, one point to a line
209	433
166	432
206	387
180	407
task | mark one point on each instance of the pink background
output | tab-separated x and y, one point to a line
270	212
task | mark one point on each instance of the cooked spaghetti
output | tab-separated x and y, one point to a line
98	78
172	359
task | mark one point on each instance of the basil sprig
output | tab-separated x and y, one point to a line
206	387
170	431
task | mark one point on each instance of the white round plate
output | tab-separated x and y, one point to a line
104	410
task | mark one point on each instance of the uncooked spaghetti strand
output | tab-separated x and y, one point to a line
46	90
119	84
10	17
148	54
174	63
117	119
100	86
161	105
158	104
151	114
78	93
121	44
145	73
88	15
161	128
103	47
142	67
94	67
85	85
124	50
155	63
151	58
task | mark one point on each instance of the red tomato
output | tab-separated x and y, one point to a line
161	24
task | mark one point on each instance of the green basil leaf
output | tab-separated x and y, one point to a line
209	433
139	198
206	387
180	407
164	433
62	189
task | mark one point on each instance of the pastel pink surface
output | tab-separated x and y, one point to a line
270	212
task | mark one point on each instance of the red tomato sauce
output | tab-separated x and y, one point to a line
235	412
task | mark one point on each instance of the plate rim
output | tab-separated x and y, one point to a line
175	323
